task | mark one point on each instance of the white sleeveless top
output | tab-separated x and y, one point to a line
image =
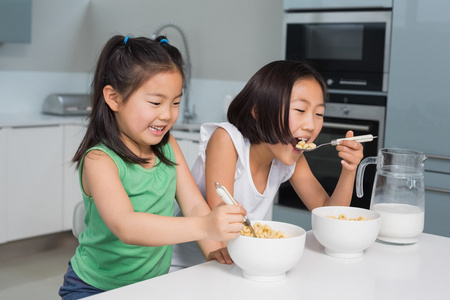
245	192
256	204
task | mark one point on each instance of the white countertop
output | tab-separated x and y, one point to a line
38	119
419	271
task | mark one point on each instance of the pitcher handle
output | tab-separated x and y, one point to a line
360	174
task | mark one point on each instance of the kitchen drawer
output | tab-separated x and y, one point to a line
438	182
437	210
437	203
436	163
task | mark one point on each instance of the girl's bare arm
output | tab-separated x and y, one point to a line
101	181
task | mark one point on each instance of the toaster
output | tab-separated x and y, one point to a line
67	104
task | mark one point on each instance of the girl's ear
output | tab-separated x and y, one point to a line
254	115
111	97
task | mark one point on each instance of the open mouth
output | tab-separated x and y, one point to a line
298	141
156	128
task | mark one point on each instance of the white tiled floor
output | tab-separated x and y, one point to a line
34	268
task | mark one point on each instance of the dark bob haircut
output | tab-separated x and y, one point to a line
261	110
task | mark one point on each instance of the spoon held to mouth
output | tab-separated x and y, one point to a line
311	147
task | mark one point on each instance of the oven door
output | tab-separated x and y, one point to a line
350	49
325	162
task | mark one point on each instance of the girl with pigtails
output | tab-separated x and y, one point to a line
130	169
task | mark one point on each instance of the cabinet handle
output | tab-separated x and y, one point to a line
438	156
345	126
433	189
34	126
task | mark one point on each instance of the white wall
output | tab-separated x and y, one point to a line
228	42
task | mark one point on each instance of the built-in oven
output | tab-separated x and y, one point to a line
349	48
363	114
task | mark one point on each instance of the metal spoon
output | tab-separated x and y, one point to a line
228	199
361	139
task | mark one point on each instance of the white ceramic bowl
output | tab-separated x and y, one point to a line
268	259
344	238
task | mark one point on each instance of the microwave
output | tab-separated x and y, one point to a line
349	48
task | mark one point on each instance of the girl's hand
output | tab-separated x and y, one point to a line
225	222
351	153
220	255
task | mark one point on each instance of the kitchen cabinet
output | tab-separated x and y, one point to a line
190	151
188	142
73	134
15	21
34	178
38	183
418	98
299	217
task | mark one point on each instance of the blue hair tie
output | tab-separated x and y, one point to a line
126	39
164	41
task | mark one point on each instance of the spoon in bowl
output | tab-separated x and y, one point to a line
311	147
228	199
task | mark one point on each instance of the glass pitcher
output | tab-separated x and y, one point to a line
398	193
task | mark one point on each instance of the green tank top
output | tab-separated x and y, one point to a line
101	259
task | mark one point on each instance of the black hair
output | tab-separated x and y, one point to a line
125	64
261	110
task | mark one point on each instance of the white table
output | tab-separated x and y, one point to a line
419	271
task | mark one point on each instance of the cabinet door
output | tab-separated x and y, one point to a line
291	215
2	187
73	134
437	202
418	98
190	151
34	181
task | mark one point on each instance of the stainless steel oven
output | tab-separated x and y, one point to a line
364	114
350	48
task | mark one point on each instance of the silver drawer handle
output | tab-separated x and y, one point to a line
438	156
345	126
433	189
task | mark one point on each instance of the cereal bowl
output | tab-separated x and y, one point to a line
264	259
345	238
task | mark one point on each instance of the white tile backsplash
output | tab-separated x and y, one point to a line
25	92
211	98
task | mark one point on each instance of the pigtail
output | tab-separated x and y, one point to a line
125	63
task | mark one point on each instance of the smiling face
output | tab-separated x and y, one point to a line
305	119
150	112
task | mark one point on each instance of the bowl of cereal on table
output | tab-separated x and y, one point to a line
345	232
277	249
